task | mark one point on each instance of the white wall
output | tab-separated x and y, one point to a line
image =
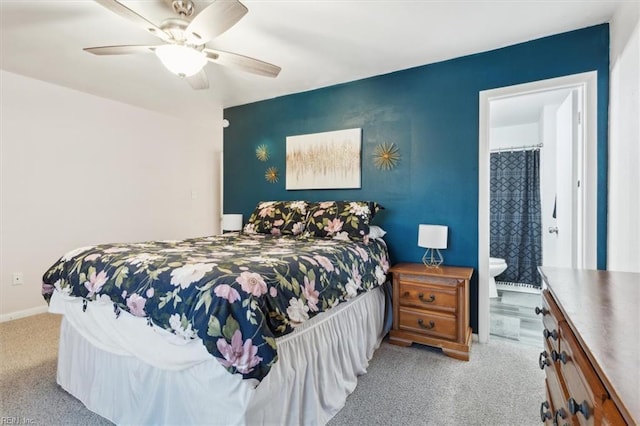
548	181
623	245
514	136
79	169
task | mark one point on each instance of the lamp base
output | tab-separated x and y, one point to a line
432	258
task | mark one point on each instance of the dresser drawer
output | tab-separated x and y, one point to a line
557	396
546	408
428	323
550	319
424	296
546	359
583	385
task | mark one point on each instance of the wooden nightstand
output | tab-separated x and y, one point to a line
431	306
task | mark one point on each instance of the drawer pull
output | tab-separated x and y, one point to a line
543	360
553	334
555	356
563	415
543	311
426	327
575	408
544	415
431	298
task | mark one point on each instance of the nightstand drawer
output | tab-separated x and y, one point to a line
428	297
428	323
433	280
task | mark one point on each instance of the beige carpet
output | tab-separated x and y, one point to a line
500	385
29	394
27	342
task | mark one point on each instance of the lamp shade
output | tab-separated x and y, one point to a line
432	236
231	222
181	60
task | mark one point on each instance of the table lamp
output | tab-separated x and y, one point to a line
433	238
231	222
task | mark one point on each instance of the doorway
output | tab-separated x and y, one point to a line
568	183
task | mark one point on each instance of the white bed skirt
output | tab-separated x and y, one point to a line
127	377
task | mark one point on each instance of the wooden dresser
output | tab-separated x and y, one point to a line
591	356
431	306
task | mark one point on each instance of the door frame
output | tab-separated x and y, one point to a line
588	82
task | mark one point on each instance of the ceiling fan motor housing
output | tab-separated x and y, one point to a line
175	27
183	7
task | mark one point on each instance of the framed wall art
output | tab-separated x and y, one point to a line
328	160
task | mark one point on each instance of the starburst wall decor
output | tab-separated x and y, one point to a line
262	153
386	156
271	175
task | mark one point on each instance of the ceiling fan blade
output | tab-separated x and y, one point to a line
119	50
215	19
198	81
123	11
243	63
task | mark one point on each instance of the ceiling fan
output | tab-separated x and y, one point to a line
184	50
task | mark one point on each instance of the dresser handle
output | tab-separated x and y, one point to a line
574	408
555	356
543	311
426	327
562	413
543	360
553	334
431	298
544	415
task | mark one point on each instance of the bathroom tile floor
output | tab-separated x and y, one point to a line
512	317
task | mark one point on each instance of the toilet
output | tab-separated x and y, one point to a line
496	267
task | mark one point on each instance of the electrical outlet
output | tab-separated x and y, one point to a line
17	278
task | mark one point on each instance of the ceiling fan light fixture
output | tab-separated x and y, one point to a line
181	60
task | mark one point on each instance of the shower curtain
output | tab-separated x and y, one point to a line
516	226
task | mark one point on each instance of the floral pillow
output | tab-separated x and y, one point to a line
278	218
341	219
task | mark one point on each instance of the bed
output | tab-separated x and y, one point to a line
269	326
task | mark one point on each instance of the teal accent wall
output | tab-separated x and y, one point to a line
431	113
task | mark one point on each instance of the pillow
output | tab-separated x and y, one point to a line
376	232
277	218
341	219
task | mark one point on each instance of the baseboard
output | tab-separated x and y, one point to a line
517	287
24	313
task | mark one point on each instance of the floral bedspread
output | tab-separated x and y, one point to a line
235	292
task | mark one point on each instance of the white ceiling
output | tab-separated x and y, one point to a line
317	43
524	109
